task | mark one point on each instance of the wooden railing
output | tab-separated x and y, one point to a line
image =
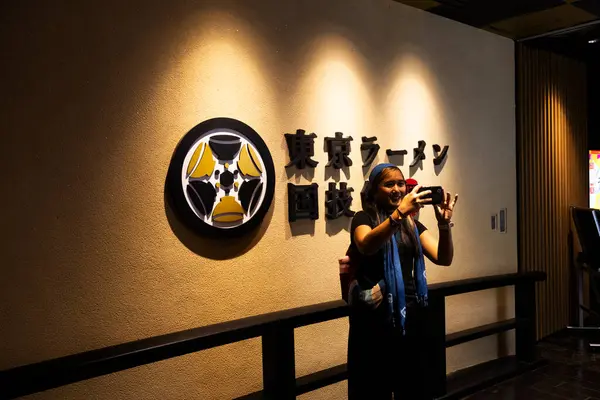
277	333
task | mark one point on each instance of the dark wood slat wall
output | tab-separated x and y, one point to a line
552	172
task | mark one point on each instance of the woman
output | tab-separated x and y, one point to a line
389	297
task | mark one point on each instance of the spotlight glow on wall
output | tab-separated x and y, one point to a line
333	90
220	72
412	103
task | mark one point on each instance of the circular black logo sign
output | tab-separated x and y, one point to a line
221	179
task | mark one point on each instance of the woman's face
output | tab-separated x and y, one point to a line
391	189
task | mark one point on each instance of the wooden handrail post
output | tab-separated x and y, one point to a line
279	368
436	358
526	320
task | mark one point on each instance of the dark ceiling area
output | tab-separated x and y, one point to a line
568	26
517	19
582	42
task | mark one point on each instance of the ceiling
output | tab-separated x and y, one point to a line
571	27
516	19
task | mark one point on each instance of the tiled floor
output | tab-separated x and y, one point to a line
573	372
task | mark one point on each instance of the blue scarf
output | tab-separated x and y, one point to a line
394	281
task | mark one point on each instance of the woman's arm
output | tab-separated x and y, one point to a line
369	240
440	252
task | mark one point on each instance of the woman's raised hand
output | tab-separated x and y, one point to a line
414	201
443	212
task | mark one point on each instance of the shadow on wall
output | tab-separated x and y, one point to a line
338	225
215	249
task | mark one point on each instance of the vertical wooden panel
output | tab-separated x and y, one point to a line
544	133
552	146
559	221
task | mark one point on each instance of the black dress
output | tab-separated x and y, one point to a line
380	360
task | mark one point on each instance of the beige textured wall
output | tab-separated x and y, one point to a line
95	96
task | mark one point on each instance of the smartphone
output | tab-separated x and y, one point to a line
436	195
